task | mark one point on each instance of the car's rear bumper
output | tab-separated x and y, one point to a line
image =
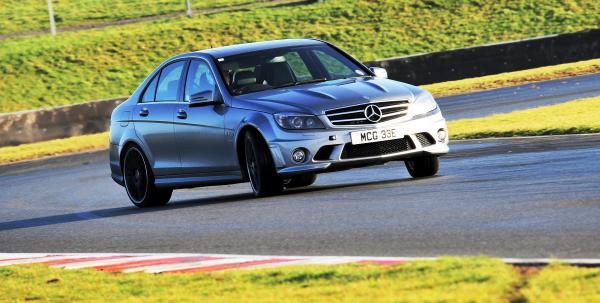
115	164
337	140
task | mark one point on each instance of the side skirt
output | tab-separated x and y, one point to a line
189	181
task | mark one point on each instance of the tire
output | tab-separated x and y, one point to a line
301	181
259	165
139	181
424	166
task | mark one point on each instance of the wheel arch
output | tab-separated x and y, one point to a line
239	146
125	146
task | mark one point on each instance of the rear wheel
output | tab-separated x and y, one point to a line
301	181
139	181
424	166
259	164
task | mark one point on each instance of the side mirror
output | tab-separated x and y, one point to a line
379	72
207	97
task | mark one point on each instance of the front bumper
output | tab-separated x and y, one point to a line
336	140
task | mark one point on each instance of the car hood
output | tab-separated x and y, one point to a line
319	97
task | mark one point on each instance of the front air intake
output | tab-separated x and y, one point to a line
377	148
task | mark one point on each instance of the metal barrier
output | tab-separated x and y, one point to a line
492	59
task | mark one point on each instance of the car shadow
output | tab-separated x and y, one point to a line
349	185
117	212
131	210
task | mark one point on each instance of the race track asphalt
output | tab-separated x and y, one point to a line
528	197
509	198
507	99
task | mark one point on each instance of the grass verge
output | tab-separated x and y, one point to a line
112	61
514	78
43	149
448	280
559	283
473	279
574	117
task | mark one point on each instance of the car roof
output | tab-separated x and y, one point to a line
236	49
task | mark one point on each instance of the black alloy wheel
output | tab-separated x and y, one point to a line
259	164
139	181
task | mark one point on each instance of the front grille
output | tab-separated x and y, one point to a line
377	148
425	139
355	115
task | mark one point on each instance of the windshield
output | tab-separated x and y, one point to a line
283	67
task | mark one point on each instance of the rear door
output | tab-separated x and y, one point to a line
199	130
154	118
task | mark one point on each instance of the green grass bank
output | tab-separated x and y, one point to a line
32	15
573	117
45	71
471	279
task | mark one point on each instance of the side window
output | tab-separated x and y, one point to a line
150	91
298	66
333	65
200	83
169	82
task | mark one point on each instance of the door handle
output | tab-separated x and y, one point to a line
181	114
144	112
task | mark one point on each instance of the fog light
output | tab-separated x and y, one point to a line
442	134
299	155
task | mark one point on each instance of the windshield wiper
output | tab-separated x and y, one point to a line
301	82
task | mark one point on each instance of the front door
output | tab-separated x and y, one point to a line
199	130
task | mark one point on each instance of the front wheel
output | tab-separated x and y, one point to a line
261	170
139	181
424	166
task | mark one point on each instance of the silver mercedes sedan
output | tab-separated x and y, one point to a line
272	113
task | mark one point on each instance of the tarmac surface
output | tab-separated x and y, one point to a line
529	197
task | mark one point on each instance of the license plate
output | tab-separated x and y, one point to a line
376	135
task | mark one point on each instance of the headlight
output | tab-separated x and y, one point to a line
298	121
423	105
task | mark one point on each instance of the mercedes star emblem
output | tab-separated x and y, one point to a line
373	113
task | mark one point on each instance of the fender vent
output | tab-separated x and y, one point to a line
425	139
